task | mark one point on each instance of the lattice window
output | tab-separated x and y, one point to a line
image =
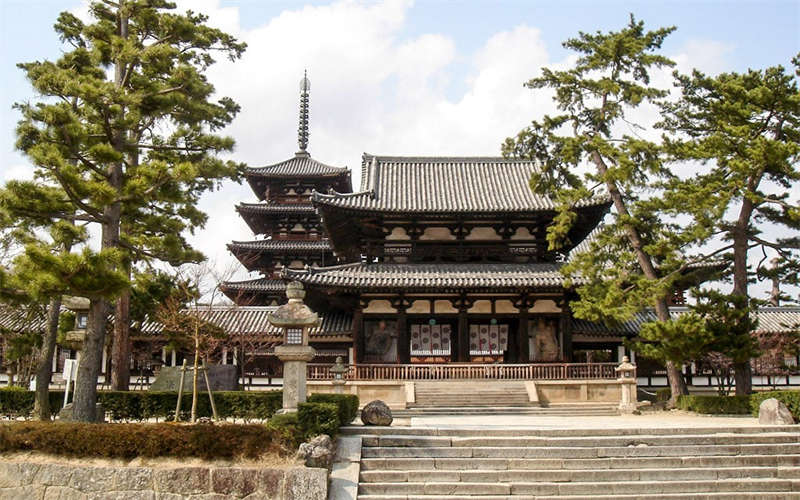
294	336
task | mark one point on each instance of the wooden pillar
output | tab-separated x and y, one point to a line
403	338
463	335
454	341
358	336
459	345
565	325
523	344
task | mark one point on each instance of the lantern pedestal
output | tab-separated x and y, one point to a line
294	358
627	384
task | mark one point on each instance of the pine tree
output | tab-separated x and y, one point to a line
126	129
21	227
634	258
746	129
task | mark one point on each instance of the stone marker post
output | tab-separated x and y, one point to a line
627	384
296	319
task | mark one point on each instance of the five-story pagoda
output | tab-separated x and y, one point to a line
290	228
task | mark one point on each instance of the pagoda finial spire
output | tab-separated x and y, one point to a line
302	132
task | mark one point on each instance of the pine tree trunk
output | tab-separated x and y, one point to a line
83	407
120	357
676	383
742	372
743	377
44	372
83	404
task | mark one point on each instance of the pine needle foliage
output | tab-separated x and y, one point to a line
125	128
634	258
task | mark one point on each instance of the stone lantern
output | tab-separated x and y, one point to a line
337	373
626	376
295	319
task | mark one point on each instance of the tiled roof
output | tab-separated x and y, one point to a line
432	276
446	185
253	321
18	319
301	165
256	285
778	319
770	319
281	245
267	208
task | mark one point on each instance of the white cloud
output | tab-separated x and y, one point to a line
375	89
18	171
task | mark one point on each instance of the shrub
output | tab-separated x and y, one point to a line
138	406
128	441
663	394
18	402
318	418
287	427
790	398
715	405
248	405
347	405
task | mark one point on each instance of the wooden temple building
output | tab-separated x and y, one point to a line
434	259
433	268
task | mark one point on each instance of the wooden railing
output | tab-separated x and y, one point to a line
465	371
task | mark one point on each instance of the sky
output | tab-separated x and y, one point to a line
400	77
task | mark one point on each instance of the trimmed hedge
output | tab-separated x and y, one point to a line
287	426
128	441
18	402
347	404
131	405
790	398
318	418
715	405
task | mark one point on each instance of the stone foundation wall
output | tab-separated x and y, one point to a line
391	392
45	481
570	391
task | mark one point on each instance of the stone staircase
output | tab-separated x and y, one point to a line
473	393
449	463
491	397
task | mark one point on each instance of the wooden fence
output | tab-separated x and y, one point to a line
464	371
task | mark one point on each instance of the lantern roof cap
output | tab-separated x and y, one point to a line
294	314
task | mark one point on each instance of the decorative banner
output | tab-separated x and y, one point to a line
503	337
488	339
473	339
415	338
428	340
425	338
436	337
446	339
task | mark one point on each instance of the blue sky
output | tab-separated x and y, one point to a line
396	77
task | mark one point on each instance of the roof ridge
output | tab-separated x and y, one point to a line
250	281
449	159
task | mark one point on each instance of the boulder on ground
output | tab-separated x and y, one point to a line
376	413
317	452
773	412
